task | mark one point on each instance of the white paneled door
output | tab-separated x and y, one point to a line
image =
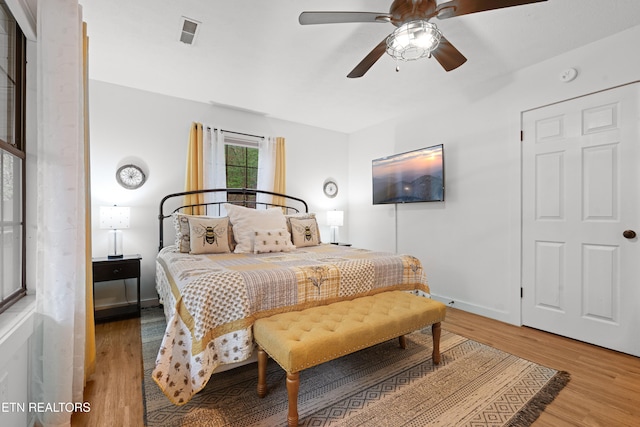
580	213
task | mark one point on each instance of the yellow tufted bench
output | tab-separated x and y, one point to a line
301	339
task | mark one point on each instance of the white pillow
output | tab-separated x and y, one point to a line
272	241
246	220
208	235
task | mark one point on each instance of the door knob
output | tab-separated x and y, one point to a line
629	234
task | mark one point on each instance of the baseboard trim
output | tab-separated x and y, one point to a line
491	313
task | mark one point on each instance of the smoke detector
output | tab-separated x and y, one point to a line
189	30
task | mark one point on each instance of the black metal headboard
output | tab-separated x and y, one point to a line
291	204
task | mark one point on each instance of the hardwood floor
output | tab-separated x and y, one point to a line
115	389
604	389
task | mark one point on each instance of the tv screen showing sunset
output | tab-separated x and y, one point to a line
415	176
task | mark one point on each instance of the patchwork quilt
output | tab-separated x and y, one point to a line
211	301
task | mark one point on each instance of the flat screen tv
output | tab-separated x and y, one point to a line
414	176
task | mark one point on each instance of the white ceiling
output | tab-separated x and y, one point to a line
254	55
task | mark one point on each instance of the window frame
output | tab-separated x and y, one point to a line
18	148
246	145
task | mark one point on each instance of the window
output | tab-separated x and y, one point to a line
12	159
242	169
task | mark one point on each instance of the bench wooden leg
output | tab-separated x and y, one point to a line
402	341
262	372
435	333
293	385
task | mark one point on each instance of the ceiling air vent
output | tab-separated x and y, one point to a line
189	30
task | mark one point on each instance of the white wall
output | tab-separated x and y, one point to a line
371	227
470	244
17	327
152	130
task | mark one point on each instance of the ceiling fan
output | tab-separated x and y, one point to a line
415	37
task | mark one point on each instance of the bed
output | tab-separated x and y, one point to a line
223	271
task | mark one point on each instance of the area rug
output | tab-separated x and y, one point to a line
474	385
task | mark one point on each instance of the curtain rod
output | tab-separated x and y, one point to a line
237	133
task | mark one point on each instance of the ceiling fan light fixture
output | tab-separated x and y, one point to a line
413	40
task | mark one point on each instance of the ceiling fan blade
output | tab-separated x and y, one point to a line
369	60
310	18
465	7
448	56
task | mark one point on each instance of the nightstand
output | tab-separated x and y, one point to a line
107	269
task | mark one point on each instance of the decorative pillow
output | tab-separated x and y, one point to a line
246	220
304	232
272	241
303	215
209	235
181	224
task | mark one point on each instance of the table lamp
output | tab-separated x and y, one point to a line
114	218
335	219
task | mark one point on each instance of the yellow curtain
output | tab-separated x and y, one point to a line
280	178
90	338
194	179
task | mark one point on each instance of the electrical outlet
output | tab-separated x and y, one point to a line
4	387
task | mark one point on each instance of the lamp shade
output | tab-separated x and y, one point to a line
335	218
114	217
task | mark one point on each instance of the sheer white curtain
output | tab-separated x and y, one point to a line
58	366
215	171
266	167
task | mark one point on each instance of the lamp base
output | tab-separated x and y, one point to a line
115	244
115	256
334	234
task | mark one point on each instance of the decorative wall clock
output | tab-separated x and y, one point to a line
130	176
330	188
